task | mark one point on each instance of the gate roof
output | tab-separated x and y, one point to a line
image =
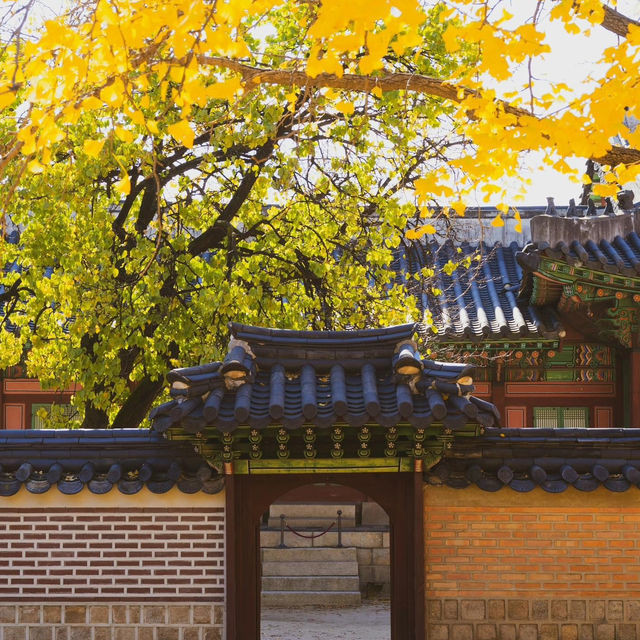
294	378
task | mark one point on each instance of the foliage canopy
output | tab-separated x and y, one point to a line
175	164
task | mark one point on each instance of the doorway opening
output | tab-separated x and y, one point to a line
398	494
325	560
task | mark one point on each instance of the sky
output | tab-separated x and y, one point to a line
571	61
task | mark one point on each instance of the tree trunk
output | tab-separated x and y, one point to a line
138	404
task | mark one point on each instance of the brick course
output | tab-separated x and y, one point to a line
87	554
525	551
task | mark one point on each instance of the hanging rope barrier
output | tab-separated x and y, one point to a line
284	525
311	537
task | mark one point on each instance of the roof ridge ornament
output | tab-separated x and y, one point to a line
238	367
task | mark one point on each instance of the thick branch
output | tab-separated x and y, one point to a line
215	234
254	76
617	23
136	407
619	155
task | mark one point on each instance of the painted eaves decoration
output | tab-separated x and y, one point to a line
597	284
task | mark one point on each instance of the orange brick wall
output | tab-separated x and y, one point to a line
507	545
534	566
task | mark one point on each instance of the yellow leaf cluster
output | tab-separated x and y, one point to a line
182	132
130	63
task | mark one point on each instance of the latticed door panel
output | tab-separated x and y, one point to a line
560	417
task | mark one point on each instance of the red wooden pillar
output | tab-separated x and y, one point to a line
634	383
498	398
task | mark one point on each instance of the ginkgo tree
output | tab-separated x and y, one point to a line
170	165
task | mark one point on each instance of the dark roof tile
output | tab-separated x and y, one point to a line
478	301
622	255
519	459
97	459
343	384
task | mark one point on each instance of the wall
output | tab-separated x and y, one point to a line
115	567
554	229
509	566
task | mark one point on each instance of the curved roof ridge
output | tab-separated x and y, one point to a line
312	337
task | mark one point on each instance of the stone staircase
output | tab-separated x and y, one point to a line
323	576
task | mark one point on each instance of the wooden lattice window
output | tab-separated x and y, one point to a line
560	417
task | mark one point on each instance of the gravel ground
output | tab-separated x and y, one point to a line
369	621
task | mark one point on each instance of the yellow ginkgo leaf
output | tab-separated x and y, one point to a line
91	103
224	90
7	98
345	107
123	185
124	134
114	93
34	166
92	147
415	234
137	117
152	125
497	221
605	190
182	133
459	207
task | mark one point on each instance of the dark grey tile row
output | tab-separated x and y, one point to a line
99	460
552	459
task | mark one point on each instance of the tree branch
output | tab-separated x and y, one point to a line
214	234
617	23
255	76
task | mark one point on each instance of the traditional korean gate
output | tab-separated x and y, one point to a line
249	496
289	408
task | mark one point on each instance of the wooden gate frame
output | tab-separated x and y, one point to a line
399	494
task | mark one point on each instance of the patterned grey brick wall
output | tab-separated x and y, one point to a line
533	619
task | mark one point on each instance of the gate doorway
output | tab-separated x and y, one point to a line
399	494
325	566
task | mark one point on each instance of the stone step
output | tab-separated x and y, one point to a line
309	569
310	583
292	599
311	515
312	554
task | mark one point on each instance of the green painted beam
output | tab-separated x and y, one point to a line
340	465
